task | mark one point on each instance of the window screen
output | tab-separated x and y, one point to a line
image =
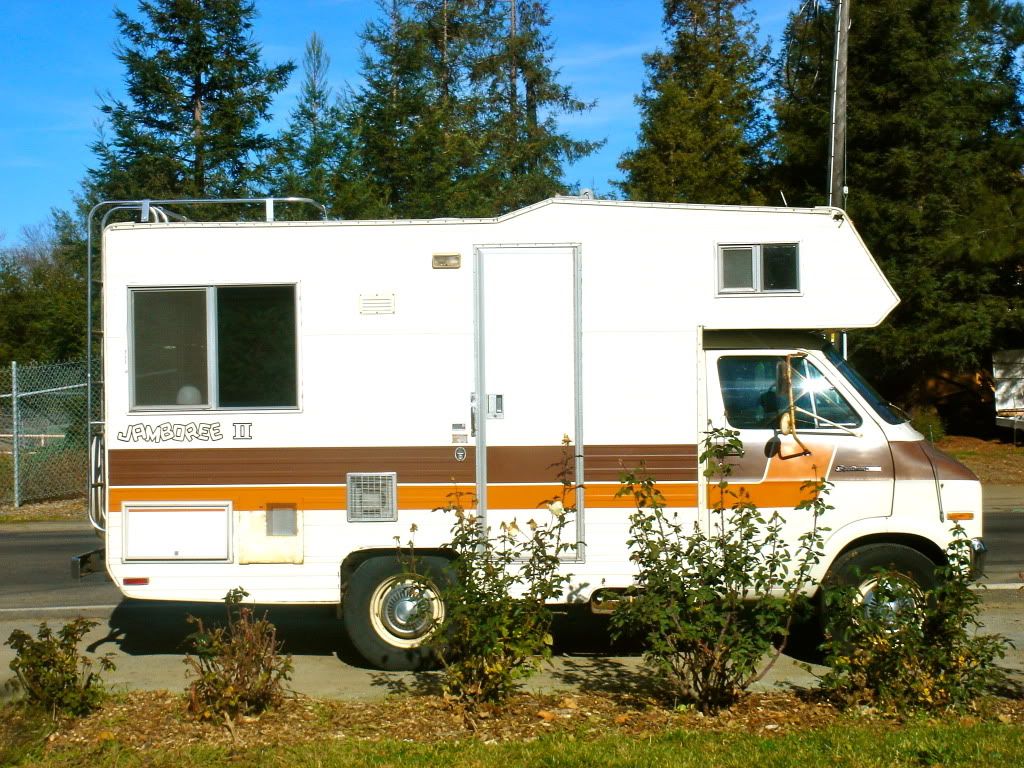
169	344
737	269
282	520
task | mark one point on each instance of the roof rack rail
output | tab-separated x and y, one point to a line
157	211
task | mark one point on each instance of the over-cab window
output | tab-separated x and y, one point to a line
753	392
760	268
214	347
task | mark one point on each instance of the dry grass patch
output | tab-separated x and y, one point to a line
159	720
63	510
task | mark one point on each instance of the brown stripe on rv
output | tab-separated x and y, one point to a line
604	463
285	466
414	464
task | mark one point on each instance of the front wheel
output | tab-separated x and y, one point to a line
391	613
862	567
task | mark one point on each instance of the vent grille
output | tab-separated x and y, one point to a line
372	497
377	304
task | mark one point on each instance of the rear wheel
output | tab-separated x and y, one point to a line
392	613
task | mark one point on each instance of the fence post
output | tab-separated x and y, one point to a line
16	430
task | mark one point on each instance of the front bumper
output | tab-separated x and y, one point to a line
979	552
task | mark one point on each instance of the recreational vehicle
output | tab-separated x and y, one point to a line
280	401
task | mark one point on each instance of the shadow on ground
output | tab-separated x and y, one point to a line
143	627
587	656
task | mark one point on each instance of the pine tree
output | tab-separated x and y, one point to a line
412	142
310	150
197	95
704	130
459	112
934	155
527	149
803	86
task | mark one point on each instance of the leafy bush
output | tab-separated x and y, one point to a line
911	649
238	669
496	629
926	420
53	674
711	605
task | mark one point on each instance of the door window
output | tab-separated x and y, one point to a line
754	394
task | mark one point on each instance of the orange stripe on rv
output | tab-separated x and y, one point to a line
598	495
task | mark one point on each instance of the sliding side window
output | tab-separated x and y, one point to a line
762	268
214	347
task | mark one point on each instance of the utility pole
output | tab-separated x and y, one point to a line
837	145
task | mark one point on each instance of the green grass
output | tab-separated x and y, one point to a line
855	744
22	731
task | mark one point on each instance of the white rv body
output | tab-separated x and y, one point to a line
448	354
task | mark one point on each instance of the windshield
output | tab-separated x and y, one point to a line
881	406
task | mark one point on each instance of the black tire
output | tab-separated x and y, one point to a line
859	568
391	614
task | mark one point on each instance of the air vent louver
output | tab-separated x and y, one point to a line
372	497
377	304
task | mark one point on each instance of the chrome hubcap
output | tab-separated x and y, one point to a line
406	610
890	600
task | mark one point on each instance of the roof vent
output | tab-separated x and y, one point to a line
377	304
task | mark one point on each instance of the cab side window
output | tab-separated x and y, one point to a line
754	394
750	391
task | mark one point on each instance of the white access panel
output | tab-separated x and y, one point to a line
198	531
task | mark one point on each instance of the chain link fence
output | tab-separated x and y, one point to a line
43	432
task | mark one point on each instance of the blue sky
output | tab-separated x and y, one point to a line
59	61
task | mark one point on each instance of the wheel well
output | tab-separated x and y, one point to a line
926	547
357	558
